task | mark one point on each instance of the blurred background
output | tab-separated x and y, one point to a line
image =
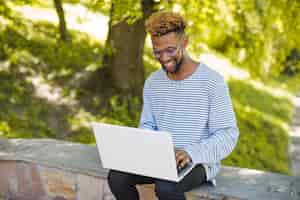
65	63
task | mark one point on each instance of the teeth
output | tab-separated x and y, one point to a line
168	63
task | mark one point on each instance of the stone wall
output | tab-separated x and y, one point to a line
57	170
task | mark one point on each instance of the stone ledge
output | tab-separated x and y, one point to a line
82	160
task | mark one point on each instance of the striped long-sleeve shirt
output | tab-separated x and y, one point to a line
198	113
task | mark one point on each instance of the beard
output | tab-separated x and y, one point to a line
177	67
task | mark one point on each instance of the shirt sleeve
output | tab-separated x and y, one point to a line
223	131
147	120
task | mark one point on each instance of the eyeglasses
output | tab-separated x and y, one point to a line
169	51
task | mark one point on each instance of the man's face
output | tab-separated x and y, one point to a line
168	50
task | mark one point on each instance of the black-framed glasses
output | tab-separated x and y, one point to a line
169	51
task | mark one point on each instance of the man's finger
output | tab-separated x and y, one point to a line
184	162
180	152
179	155
182	157
179	159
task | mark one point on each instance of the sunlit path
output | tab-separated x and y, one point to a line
294	148
77	17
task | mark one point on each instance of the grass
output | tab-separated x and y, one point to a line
32	49
262	120
291	84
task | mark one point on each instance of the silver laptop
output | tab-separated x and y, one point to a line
138	151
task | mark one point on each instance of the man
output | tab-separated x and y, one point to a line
188	100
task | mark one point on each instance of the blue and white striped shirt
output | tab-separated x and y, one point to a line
198	113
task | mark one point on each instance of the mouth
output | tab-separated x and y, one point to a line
169	64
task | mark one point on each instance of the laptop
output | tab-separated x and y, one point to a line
138	151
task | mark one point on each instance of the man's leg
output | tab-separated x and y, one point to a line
168	190
122	184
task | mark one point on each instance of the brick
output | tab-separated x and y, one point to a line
29	181
89	188
58	183
36	181
8	182
24	179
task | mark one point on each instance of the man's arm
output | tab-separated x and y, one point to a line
222	126
147	120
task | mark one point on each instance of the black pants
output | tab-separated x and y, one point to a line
123	184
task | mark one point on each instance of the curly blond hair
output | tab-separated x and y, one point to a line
163	22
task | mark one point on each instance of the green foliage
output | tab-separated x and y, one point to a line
258	35
21	112
291	84
129	10
39	3
277	107
38	44
261	119
32	50
292	63
5	11
102	6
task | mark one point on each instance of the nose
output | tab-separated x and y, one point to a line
164	57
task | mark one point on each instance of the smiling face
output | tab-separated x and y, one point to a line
168	50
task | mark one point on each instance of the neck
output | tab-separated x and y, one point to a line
188	67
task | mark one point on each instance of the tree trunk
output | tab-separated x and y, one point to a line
123	68
61	17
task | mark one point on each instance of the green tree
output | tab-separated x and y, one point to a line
123	69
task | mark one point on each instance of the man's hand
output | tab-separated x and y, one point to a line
182	157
